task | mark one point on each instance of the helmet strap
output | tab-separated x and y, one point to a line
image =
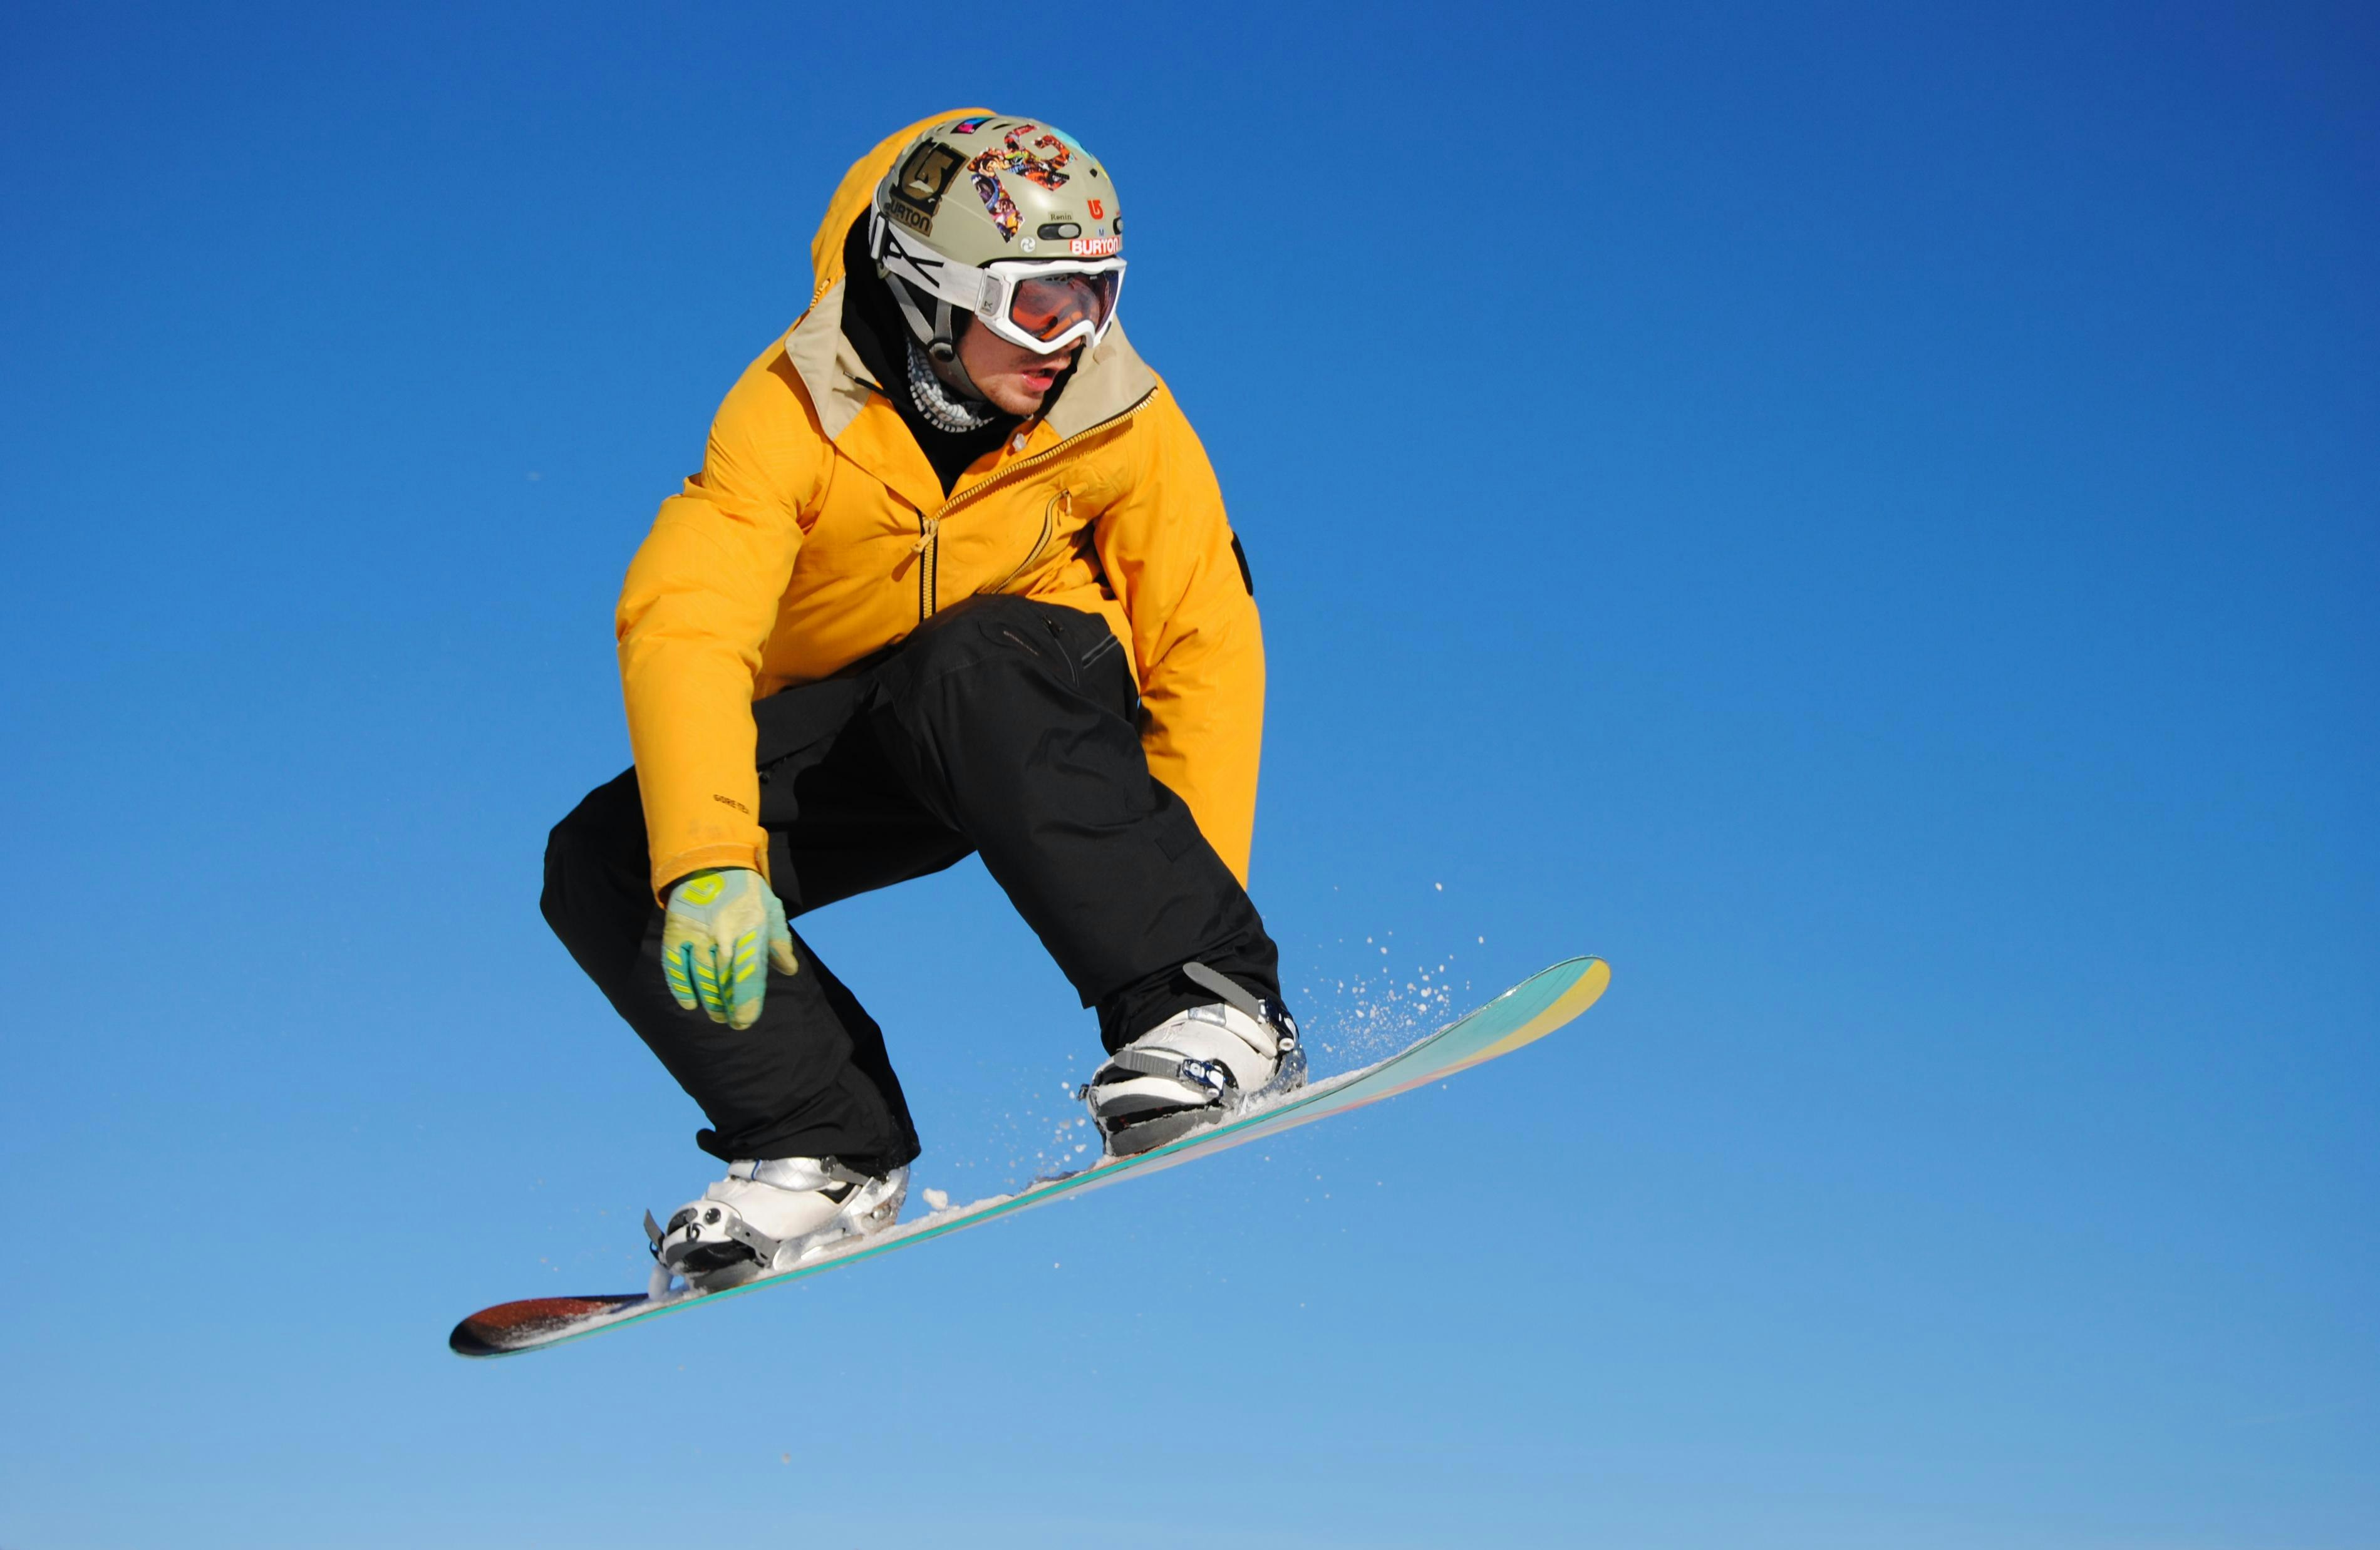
925	331
944	353
939	337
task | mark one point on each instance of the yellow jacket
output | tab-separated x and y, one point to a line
817	532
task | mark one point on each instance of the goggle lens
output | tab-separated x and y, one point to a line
1047	305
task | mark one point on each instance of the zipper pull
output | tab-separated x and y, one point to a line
927	529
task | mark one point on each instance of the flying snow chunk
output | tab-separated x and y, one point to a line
937	1200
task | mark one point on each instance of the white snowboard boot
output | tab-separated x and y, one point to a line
765	1215
1196	1069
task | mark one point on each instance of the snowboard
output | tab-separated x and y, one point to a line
1528	1012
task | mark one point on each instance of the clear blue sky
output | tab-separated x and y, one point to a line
1866	516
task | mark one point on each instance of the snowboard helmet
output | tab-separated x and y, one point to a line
1005	219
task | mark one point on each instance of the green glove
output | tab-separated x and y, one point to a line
711	937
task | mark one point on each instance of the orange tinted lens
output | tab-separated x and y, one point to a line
1047	305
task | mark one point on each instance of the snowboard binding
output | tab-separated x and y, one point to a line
765	1217
1196	1069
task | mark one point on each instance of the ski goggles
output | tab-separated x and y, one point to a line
1046	306
1042	305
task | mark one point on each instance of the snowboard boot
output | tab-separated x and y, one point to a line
766	1216
1196	1069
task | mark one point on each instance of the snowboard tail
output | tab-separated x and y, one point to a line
1531	1010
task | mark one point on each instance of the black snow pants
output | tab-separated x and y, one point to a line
1001	726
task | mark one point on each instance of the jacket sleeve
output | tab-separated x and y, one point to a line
701	598
1167	550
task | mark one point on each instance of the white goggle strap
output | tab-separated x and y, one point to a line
928	270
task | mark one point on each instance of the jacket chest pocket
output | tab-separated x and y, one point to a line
1056	512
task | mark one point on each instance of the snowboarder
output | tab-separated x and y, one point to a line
954	578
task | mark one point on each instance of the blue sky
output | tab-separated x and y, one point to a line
1864	516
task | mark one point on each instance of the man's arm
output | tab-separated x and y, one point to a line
701	598
1167	548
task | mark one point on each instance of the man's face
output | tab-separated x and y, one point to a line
1014	378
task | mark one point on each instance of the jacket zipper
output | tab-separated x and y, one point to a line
928	549
930	527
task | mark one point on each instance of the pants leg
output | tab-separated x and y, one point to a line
1013	723
812	1077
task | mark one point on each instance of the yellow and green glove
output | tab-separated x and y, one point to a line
719	922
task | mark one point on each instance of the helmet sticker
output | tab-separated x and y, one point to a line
968	126
1042	160
1003	208
917	193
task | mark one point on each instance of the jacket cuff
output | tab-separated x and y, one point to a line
669	868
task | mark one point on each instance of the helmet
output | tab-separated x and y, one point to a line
1004	219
